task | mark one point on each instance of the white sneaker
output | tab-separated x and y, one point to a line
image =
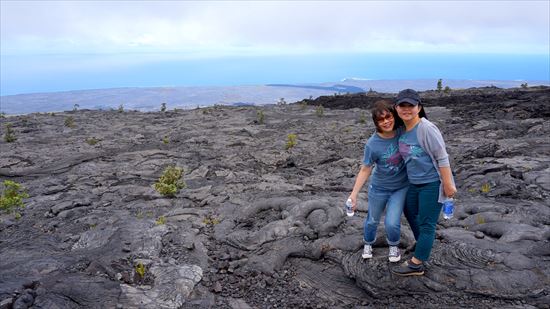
367	252
394	254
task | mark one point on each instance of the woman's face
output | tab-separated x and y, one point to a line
408	111
385	122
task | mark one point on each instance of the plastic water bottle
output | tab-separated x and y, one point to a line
448	208
349	208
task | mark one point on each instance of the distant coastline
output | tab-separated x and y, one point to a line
151	98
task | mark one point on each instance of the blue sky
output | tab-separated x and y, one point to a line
146	32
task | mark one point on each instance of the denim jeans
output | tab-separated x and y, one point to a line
392	201
422	211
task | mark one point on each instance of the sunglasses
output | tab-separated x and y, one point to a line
384	118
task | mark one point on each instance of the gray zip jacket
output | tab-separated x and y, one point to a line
431	141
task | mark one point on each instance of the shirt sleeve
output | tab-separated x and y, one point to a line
436	146
368	159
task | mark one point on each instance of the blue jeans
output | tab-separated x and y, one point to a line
378	200
422	211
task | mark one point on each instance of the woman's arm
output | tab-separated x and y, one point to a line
362	177
436	147
446	178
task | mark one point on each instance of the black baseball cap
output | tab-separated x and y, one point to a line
408	96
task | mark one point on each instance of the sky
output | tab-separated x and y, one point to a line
146	32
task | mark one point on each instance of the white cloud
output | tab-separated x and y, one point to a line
226	27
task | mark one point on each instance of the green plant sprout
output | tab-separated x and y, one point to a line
140	270
92	141
69	122
169	182
291	141
161	220
12	196
261	117
209	220
320	110
9	136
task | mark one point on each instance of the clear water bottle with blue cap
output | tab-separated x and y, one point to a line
349	208
448	208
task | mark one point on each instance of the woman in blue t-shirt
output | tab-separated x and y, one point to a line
423	149
388	180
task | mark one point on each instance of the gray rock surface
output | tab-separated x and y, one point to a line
262	226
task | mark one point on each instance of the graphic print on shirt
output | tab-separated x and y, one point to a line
392	158
409	151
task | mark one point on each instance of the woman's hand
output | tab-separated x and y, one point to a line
449	190
353	199
447	179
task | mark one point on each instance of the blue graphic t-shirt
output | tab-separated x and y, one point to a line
420	168
389	171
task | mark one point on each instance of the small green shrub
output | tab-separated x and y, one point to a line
362	118
12	196
524	85
140	270
163	107
439	85
161	220
169	182
2	115
75	107
92	141
320	111
480	219
291	141
485	188
281	101
261	117
9	136
447	89
210	220
121	108
69	122
165	140
139	215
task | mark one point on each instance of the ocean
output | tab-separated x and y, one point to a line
22	74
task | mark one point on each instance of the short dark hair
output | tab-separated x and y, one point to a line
382	107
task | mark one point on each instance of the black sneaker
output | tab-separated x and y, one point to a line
408	268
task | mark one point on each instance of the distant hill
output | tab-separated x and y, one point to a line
149	99
335	88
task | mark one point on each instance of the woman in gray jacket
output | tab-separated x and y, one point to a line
429	172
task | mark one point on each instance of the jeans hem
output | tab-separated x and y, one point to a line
394	243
